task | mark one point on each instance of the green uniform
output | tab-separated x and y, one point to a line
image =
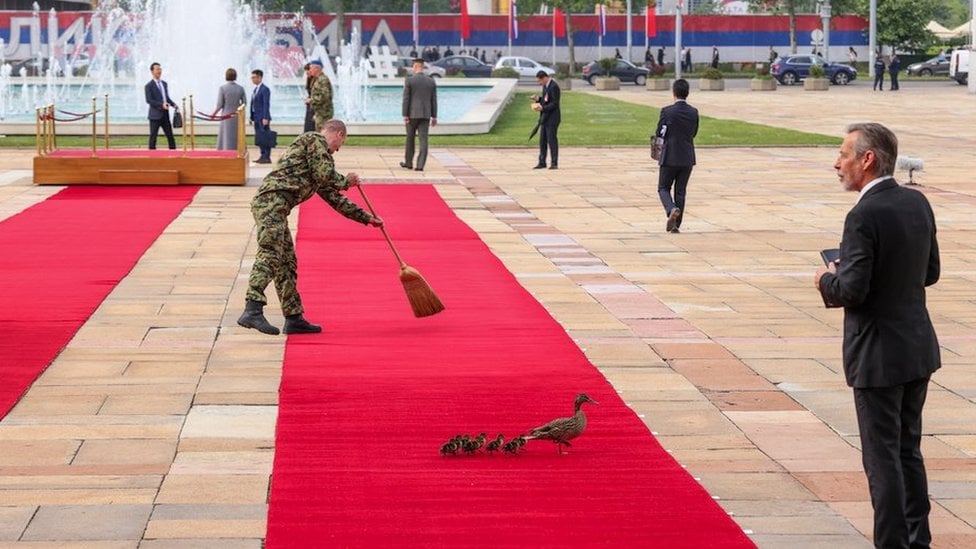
306	168
321	96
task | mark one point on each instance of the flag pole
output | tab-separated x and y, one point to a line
554	38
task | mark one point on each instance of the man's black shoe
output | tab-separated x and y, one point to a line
418	169
673	220
539	167
406	166
554	167
296	324
253	317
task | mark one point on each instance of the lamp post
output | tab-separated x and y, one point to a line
873	37
630	37
972	47
825	17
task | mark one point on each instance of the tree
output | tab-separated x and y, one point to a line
901	23
568	7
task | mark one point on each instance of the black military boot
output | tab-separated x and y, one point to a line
253	317
296	324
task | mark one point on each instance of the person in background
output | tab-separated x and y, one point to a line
547	105
879	70
889	255
261	116
320	95
714	57
894	67
660	56
852	56
157	97
678	126
773	56
309	117
419	111
230	96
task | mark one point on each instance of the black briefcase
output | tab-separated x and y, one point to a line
266	138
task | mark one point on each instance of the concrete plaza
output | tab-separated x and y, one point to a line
155	426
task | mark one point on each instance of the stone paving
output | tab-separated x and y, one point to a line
155	427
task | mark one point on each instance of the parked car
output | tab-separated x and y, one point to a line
465	64
793	68
959	66
405	66
625	71
527	68
933	67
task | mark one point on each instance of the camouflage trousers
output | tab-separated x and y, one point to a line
275	260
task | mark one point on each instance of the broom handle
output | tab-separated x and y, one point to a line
382	227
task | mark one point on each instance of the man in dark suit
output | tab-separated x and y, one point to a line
547	105
678	126
888	255
157	96
261	116
419	113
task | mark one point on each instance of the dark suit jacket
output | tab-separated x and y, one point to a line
155	100
419	97
888	255
549	99
681	120
261	104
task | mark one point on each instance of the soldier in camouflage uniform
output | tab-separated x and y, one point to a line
320	95
306	168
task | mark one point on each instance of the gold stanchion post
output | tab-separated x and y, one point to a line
193	135
106	121
94	114
185	122
52	141
37	133
241	144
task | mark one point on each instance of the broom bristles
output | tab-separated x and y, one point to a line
423	300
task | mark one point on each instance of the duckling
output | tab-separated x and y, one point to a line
496	444
474	445
519	442
449	447
564	429
511	447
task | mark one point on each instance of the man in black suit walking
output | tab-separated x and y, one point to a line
419	113
678	126
888	255
157	96
547	105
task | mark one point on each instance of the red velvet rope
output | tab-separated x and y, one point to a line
211	118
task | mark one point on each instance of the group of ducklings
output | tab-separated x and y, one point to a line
468	445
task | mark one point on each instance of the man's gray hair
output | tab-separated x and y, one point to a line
875	137
336	126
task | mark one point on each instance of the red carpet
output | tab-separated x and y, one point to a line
366	405
133	153
58	261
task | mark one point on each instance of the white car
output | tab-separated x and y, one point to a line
406	63
527	68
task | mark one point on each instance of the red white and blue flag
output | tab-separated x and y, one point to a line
603	19
512	20
465	21
650	27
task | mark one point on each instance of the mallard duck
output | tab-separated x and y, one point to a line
564	429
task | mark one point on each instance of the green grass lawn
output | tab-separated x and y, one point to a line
587	121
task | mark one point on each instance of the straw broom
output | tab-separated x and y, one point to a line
423	300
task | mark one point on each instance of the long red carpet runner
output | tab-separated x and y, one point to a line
58	261
366	406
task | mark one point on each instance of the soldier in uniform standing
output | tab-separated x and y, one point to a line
320	95
306	168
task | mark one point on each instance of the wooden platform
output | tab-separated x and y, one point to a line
140	167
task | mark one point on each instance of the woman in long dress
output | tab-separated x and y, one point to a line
231	96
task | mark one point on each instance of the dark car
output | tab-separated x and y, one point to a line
465	64
937	66
793	68
625	71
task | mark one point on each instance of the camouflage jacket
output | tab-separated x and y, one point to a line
307	168
321	96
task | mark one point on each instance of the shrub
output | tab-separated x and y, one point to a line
712	74
657	71
607	64
505	72
817	71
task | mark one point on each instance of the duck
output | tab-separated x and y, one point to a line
564	429
496	444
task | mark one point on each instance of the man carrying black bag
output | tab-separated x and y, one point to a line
264	138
